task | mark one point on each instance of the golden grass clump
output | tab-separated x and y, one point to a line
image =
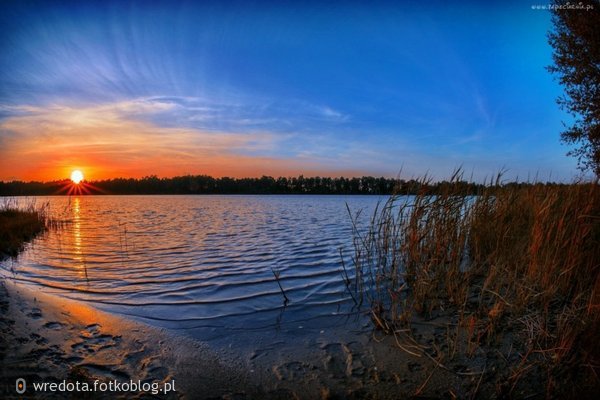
518	258
19	225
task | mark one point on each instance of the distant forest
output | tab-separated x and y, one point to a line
202	184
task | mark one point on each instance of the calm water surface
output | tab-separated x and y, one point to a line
198	263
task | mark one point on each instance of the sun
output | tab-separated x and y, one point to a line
77	185
76	176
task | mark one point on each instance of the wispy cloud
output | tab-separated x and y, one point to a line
134	138
151	136
45	141
202	87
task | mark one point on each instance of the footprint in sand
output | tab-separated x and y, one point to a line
82	347
92	344
105	370
38	339
292	371
93	327
22	340
94	341
53	325
90	331
35	313
73	360
158	373
340	362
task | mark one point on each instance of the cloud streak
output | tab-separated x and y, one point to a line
201	87
116	139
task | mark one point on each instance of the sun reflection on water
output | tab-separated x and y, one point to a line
78	249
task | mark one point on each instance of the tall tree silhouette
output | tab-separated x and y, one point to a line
576	43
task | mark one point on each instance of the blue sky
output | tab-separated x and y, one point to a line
238	88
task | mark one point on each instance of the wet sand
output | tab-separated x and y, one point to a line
47	338
343	365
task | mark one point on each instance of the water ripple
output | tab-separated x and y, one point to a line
182	259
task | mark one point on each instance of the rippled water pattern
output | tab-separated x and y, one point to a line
196	261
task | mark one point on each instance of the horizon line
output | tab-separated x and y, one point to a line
426	178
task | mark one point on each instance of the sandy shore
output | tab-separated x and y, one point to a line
47	339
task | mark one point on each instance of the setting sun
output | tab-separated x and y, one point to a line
76	176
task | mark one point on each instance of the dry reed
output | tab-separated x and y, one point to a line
519	260
20	224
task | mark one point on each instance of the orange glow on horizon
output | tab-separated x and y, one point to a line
54	167
110	145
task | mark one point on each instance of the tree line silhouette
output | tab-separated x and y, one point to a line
203	184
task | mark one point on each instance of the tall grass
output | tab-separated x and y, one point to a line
515	260
20	224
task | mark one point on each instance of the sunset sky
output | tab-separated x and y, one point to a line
130	89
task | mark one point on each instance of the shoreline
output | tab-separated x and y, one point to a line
46	338
50	339
440	347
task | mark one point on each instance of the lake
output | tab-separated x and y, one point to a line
200	264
